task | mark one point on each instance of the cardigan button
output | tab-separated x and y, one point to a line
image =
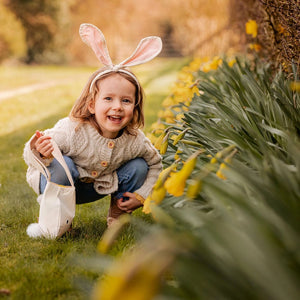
110	144
94	173
104	163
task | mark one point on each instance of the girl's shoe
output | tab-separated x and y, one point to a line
114	211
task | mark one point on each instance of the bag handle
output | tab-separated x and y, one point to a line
58	156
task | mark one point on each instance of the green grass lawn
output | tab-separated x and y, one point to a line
40	268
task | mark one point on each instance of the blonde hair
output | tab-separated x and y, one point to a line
80	111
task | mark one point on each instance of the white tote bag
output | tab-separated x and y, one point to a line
57	205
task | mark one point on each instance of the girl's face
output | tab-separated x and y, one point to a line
114	105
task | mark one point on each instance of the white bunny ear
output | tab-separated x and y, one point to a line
147	49
94	38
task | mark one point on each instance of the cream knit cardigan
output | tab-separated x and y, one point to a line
97	157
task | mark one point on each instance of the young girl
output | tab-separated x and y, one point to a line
101	142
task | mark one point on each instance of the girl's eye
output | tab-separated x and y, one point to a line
107	98
127	100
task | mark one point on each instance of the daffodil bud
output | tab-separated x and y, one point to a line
224	165
213	160
175	184
221	175
158	195
147	205
164	174
221	154
194	188
159	140
176	156
180	136
191	143
164	145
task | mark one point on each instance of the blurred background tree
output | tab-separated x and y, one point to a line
188	27
42	21
12	35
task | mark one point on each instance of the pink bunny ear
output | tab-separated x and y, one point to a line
147	49
94	38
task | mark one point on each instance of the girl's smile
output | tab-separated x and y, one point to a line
113	105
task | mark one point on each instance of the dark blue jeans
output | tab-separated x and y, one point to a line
131	177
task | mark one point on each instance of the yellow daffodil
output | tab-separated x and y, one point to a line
168	114
222	153
211	65
195	64
194	188
159	140
158	192
164	145
219	173
176	156
164	175
295	86
207	67
160	113
255	47
169	101
180	136
151	137
137	274
173	137
251	28
177	109
175	184
216	62
155	198
195	90
147	205
183	92
158	126
185	76
224	165
179	117
213	160
170	120
281	29
158	195
231	63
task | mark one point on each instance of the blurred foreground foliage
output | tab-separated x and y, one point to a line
232	160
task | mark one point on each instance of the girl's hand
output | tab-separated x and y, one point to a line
43	144
129	205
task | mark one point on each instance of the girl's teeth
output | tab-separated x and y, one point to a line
115	118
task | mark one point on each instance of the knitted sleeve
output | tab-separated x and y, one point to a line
61	133
154	161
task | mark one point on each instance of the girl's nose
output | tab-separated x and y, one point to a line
117	105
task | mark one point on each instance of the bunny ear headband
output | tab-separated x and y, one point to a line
147	49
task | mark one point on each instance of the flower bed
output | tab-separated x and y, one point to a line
226	205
